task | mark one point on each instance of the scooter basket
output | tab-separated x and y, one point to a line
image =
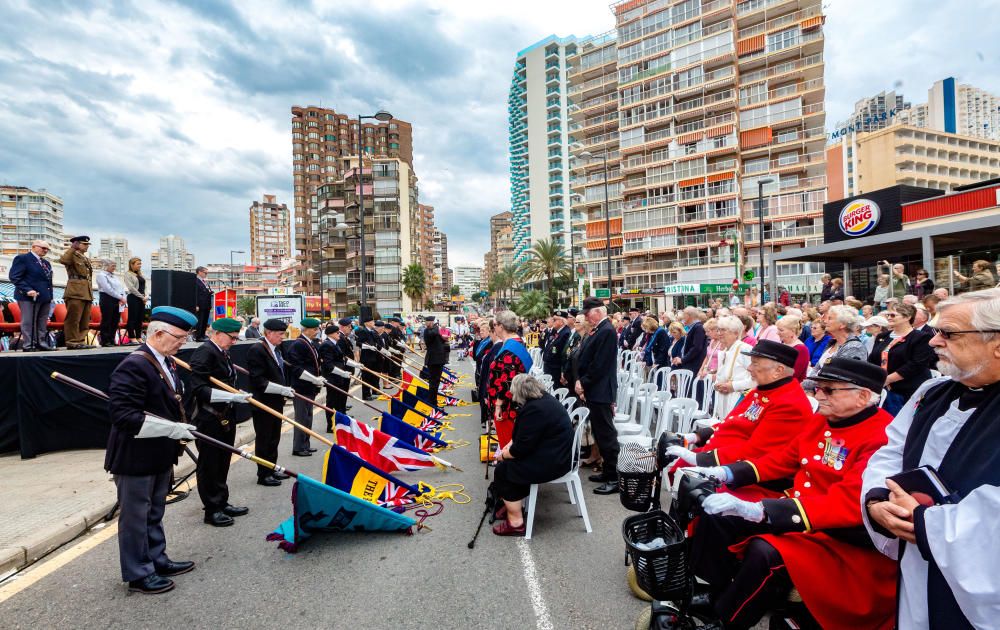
662	572
636	490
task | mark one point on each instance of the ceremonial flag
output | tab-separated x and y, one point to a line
409	416
348	472
402	431
378	448
319	508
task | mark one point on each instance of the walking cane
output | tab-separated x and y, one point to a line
93	391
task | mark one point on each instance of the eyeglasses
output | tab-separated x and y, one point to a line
826	389
167	332
234	337
948	334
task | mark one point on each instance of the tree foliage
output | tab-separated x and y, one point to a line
247	306
547	261
532	305
414	282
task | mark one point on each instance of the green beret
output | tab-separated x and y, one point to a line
226	325
310	322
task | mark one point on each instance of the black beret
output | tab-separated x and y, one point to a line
379	323
366	319
776	351
429	318
562	314
573	312
80	239
275	324
591	302
854	371
634	308
345	321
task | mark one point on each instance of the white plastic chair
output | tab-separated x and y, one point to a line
545	380
640	425
661	377
682	380
629	403
561	393
569	402
704	385
677	416
571	479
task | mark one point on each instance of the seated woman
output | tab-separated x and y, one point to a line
539	451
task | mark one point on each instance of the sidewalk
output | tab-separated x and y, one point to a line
48	501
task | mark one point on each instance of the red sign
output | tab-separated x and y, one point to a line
316	305
736	285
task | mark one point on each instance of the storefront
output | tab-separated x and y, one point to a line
917	227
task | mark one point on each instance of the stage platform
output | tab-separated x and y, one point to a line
39	415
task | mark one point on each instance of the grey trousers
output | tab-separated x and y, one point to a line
304	416
34	323
141	543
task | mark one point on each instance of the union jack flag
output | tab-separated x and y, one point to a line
378	448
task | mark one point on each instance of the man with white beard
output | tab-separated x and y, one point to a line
947	551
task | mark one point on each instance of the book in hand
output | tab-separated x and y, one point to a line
924	485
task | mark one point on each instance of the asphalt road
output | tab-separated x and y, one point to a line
562	578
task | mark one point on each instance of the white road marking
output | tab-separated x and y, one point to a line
542	621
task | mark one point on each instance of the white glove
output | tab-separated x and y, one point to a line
284	390
689	457
153	427
719	473
402	345
725	504
690	438
384	352
366	346
353	363
219	396
310	378
341	373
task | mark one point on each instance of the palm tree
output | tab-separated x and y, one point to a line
504	281
547	260
531	305
413	282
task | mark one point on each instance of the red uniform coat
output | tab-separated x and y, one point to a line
843	585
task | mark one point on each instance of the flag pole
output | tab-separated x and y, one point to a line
413	409
256	403
93	391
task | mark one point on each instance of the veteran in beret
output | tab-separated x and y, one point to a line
268	379
214	415
304	374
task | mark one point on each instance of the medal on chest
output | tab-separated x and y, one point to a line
756	408
834	453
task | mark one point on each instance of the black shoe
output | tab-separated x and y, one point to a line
280	476
311	449
174	568
268	481
218	519
302	453
608	487
598	478
232	510
151	585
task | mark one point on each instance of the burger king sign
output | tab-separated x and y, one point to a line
859	217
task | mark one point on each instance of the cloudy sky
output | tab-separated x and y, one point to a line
152	118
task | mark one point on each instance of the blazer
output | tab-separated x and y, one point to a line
542	442
910	358
695	348
658	349
132	285
332	356
252	333
597	365
206	362
137	388
28	273
80	276
264	369
437	349
203	294
302	356
552	353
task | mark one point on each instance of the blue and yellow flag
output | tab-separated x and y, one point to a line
319	508
404	432
351	474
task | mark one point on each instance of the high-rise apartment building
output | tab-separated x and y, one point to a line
468	279
716	97
593	89
501	251
873	113
321	137
115	249
270	233
539	144
172	254
425	245
904	154
390	213
442	273
963	109
28	215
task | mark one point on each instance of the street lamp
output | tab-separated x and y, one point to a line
760	208
381	116
587	155
232	282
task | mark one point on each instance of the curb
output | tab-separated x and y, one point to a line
36	547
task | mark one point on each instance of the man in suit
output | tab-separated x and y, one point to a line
31	276
79	293
597	386
304	372
397	336
695	345
253	330
634	328
383	343
267	384
554	350
147	420
370	358
214	416
435	358
204	296
331	355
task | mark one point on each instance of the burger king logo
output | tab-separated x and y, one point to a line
859	217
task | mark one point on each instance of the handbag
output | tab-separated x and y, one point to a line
475	395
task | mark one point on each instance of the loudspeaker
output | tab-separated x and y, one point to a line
173	288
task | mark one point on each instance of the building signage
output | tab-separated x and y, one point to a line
703	289
681	289
288	308
868	123
859	217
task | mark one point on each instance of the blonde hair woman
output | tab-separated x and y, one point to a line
135	300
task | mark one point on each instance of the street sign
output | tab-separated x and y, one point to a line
736	284
602	293
581	270
749	275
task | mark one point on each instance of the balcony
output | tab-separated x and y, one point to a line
796	160
787	90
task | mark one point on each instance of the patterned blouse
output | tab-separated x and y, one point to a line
503	370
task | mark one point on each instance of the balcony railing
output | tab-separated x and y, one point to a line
781	68
788	90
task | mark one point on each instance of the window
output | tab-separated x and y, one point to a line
783	39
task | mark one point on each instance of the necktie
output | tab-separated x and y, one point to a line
173	372
277	357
